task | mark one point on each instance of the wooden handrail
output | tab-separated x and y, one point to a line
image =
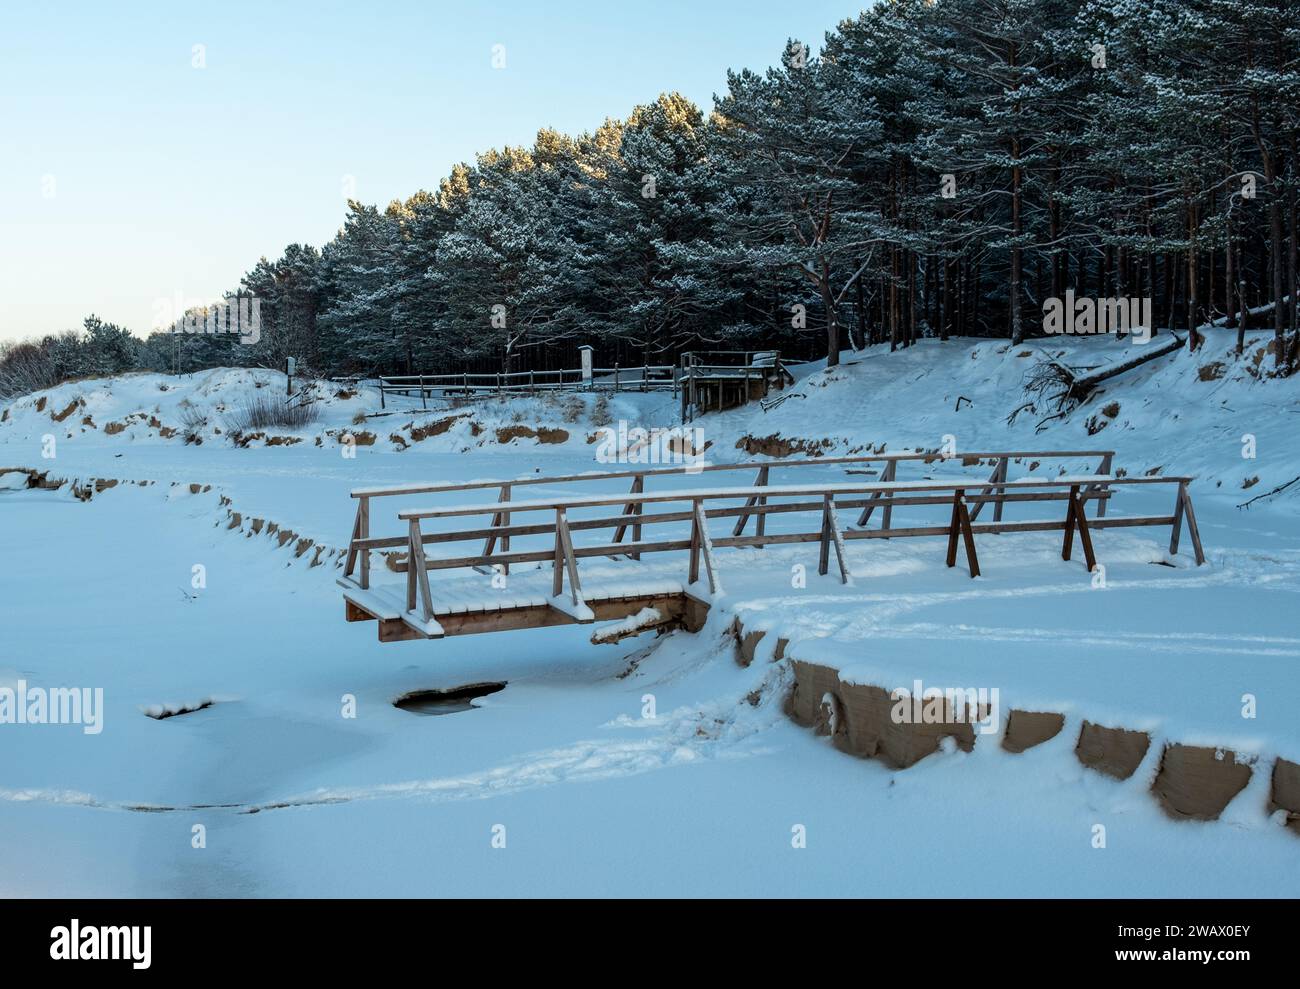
960	494
361	527
504	531
907	456
776	491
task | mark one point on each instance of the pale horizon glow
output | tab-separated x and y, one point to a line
133	180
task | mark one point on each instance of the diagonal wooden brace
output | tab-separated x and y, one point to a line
1074	517
960	526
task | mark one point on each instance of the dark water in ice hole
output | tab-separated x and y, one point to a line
450	701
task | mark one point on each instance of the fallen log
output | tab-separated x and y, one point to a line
1074	385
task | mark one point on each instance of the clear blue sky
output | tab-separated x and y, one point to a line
128	176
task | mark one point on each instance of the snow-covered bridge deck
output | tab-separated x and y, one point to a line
493	598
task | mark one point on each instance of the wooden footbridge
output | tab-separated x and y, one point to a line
525	571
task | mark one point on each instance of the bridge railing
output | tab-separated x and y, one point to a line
645	377
362	544
699	506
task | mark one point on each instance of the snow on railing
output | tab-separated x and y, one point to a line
964	496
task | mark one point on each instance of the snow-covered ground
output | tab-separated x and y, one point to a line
591	796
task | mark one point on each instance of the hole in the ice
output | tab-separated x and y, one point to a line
160	712
450	701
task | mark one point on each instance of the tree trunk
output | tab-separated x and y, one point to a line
832	320
1017	330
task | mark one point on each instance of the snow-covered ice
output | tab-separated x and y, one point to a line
654	766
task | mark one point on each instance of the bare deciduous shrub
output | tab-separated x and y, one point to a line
573	407
193	421
600	415
25	368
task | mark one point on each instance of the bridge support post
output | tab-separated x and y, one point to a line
1103	468
564	560
1183	509
999	475
632	508
831	536
499	519
1074	517
417	575
886	475
701	546
961	527
750	502
360	530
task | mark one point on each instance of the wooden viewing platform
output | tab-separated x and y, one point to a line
420	608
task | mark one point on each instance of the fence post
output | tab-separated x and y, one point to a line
887	516
1104	468
363	532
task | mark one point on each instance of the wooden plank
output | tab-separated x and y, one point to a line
886	517
824	541
612	549
999	474
693	569
578	611
1067	547
968	537
631	511
750	502
953	527
885	458
352	613
705	548
352	542
575	584
1105	467
783	491
1085	538
1185	498
1177	527
396	630
1002	477
837	539
411	550
497	521
888	475
639	486
575	525
557	567
373	604
363	507
428	628
421	573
